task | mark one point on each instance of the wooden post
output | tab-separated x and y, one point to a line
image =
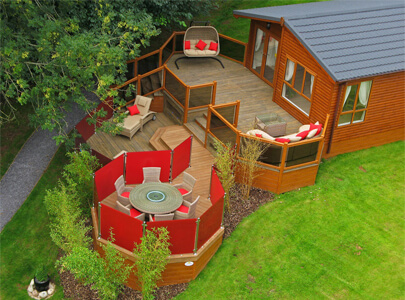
235	121
196	236
186	104
214	93
207	128
282	166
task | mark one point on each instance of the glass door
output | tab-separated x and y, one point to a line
264	54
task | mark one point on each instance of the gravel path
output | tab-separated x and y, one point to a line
29	165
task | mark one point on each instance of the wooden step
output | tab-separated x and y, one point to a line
174	136
196	130
202	122
156	141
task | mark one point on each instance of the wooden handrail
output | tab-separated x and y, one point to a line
125	83
232	39
203	85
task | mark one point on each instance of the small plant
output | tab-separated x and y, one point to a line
225	162
251	149
151	261
41	274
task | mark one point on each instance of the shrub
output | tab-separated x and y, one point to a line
67	226
106	275
151	261
225	162
251	149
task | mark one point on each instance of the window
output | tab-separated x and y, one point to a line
297	87
355	104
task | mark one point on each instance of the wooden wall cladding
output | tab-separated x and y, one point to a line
384	121
295	179
323	89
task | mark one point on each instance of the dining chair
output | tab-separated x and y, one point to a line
186	187
151	174
165	217
122	191
186	210
126	209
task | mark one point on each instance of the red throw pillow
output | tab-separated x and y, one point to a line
318	127
282	140
133	110
303	134
213	46
183	209
201	45
125	194
187	45
134	213
183	191
259	135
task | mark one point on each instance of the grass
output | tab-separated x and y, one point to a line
341	238
25	240
13	136
238	28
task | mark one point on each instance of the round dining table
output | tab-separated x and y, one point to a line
155	198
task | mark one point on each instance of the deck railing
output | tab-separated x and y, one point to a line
280	157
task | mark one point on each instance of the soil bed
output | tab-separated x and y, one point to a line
239	210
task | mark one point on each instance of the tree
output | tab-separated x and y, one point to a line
52	50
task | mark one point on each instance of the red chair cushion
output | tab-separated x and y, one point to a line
213	46
133	110
282	140
187	45
201	45
134	213
125	194
183	191
183	209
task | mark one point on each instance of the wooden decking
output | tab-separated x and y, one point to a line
235	82
201	162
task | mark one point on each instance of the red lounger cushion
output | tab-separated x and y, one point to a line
133	110
213	46
125	194
259	135
187	45
183	191
201	45
183	209
134	213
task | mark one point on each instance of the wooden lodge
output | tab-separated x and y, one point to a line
333	58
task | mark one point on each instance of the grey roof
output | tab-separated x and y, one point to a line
350	39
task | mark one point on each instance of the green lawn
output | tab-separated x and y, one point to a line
13	136
341	238
25	240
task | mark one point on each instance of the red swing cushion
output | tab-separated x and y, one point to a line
201	45
213	46
187	45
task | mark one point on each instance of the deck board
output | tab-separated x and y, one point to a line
235	82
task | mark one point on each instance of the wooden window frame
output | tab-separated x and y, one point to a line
301	93
354	110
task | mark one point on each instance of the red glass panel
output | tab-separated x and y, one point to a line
127	230
210	222
217	191
136	161
106	177
181	157
182	234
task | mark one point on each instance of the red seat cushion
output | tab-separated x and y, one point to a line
134	213
259	135
183	209
187	45
213	46
303	134
201	45
317	127
183	191
282	140
133	110
125	194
